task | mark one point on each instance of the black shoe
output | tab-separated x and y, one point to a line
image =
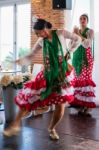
87	114
80	113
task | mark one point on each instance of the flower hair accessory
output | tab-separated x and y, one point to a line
34	20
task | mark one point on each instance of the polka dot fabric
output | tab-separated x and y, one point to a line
29	96
84	93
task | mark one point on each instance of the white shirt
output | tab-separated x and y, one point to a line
62	35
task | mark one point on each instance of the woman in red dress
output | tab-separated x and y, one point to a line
83	63
52	85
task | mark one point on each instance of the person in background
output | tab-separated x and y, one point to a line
52	85
84	94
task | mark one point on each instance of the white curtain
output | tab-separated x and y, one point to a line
90	7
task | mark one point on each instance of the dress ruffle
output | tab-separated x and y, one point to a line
29	96
84	93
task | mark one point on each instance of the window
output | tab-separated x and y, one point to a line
6	34
15	33
23	30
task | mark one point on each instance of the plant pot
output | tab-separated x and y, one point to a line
10	107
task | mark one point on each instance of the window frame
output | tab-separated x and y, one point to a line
14	3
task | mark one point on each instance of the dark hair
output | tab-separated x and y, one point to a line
41	24
85	15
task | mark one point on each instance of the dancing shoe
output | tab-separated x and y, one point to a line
53	134
11	131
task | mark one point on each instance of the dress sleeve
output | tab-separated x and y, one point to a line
75	40
87	42
29	58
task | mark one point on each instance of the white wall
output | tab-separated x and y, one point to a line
68	21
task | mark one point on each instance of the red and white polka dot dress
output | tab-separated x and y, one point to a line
29	96
84	93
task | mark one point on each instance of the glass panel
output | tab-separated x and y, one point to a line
6	37
23	29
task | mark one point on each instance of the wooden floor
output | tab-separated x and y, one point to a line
76	133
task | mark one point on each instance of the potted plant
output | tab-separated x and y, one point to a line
11	84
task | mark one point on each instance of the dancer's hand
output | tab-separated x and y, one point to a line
76	30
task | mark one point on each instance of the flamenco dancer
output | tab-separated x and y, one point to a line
83	63
52	85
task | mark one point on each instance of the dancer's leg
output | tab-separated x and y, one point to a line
56	118
14	128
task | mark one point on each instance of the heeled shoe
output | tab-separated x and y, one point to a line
11	131
53	134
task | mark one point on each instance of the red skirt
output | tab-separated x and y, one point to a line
84	93
29	96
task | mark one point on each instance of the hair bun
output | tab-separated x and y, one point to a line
41	24
48	25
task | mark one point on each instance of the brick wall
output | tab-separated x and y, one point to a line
43	9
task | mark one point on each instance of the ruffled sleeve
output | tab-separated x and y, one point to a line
87	42
36	48
75	40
